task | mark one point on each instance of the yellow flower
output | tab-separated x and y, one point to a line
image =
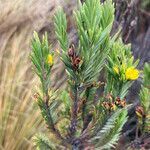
116	70
50	59
131	73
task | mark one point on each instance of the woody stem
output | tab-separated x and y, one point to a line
74	112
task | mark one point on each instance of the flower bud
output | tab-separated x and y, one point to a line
139	111
71	51
120	103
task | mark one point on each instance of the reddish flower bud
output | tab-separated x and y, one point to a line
112	106
139	111
109	106
77	61
71	52
120	103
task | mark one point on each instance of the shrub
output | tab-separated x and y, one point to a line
77	116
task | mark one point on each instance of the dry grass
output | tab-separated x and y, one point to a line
19	118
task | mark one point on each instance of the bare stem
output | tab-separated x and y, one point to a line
74	112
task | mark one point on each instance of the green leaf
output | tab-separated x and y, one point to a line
107	137
61	29
43	143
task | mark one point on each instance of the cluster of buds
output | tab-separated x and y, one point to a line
110	106
75	60
97	84
120	103
139	111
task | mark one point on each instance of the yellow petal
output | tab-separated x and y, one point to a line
131	73
50	59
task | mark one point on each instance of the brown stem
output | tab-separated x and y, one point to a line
52	126
137	131
85	117
73	125
83	114
46	100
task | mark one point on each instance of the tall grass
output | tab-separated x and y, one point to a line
19	118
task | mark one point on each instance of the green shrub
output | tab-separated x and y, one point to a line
77	117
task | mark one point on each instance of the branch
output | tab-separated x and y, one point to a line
73	125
